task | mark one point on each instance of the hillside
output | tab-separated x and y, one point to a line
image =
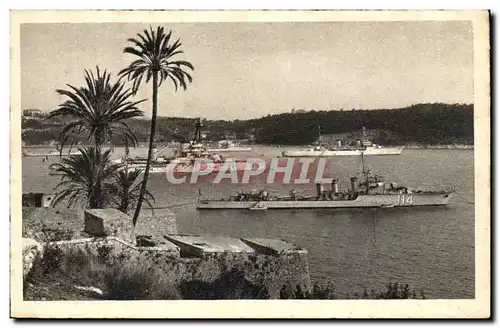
422	124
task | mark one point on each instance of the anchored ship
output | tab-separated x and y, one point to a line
363	145
186	159
197	151
372	191
51	153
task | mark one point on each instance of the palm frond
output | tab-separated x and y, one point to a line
85	178
97	106
154	51
126	189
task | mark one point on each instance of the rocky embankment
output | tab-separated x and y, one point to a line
100	256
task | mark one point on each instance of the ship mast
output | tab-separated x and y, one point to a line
363	161
197	133
320	141
365	172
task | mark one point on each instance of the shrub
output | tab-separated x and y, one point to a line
391	291
395	291
119	281
56	276
43	232
138	282
231	284
318	292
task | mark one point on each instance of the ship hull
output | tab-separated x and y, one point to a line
230	149
189	168
343	152
362	201
51	154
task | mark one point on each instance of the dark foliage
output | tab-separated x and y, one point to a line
424	124
88	178
318	292
138	282
321	292
125	190
98	110
55	276
231	284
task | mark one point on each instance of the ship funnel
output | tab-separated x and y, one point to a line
358	142
354	188
339	143
319	189
335	186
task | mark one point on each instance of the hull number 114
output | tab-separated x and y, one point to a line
405	200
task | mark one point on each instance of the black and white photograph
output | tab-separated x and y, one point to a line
302	159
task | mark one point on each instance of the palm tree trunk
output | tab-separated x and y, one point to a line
124	205
150	150
98	140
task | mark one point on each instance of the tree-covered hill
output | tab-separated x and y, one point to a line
423	124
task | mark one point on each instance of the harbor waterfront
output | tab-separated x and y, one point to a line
431	249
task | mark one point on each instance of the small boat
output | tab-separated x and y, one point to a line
228	146
362	146
258	207
53	170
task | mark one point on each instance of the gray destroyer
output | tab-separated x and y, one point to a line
371	192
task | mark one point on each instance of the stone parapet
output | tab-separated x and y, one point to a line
109	222
181	258
272	263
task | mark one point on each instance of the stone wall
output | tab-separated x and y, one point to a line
32	251
53	224
185	258
159	222
50	224
109	222
271	270
109	248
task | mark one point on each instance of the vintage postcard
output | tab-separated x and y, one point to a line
250	164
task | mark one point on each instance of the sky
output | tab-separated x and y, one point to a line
248	70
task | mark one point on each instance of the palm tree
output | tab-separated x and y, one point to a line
87	178
154	51
100	109
126	190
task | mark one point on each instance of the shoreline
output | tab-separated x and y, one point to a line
292	146
440	147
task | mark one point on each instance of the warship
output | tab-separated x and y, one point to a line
196	151
185	158
51	153
362	145
371	191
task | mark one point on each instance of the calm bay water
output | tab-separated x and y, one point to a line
430	249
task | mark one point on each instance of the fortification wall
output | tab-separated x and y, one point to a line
190	258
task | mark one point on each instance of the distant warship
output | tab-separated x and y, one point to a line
363	145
